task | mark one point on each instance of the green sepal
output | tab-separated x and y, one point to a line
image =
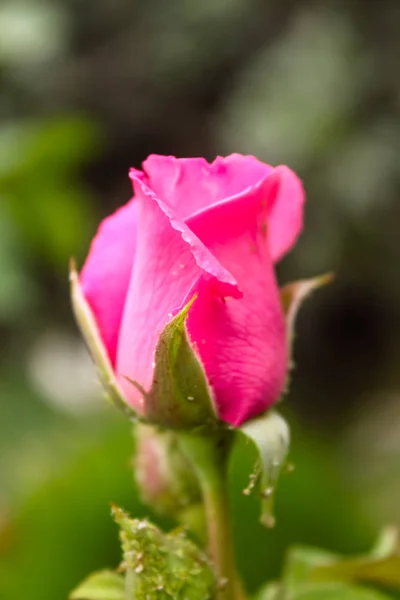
293	295
102	585
271	436
179	397
90	332
161	566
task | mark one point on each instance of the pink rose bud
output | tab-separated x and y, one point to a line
209	231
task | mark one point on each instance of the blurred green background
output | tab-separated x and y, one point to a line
88	89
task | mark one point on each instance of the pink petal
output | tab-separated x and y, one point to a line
169	261
241	342
285	218
191	184
165	270
107	270
203	257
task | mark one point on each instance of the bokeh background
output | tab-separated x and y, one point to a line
88	89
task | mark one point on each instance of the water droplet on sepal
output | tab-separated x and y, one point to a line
270	435
253	480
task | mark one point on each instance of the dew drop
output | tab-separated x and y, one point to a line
267	493
269	521
253	480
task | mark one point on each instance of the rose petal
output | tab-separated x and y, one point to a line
191	184
285	218
241	342
165	269
204	258
106	273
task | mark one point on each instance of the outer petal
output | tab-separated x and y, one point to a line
241	342
285	218
191	184
107	270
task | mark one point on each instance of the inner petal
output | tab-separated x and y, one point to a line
191	184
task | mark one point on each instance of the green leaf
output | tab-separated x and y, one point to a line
103	585
326	591
162	566
88	327
310	566
270	435
385	571
179	395
319	591
380	567
387	543
333	591
272	591
300	561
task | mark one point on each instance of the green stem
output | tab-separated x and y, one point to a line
209	457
